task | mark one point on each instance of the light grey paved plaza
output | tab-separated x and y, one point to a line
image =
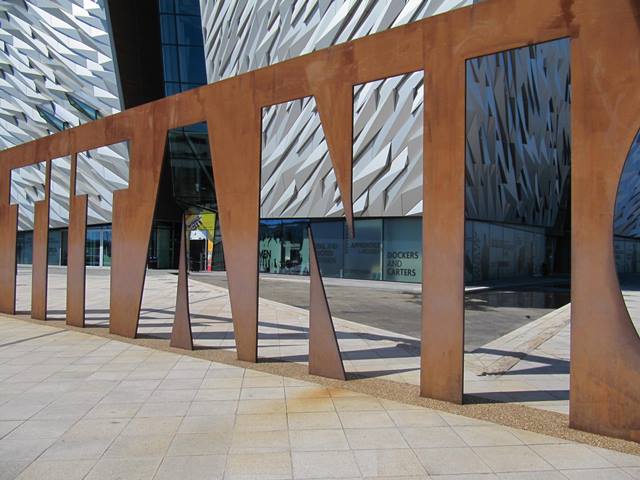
529	364
75	406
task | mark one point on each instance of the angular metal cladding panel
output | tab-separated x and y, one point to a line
519	134
240	37
527	140
57	68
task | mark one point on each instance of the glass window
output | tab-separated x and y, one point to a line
188	86
363	253
170	62
295	248
329	242
168	29
284	247
192	68
270	246
171	88
190	7
196	128
106	247
54	255
191	172
24	248
166	6
189	30
92	247
402	249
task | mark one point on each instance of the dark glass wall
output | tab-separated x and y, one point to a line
97	251
24	248
184	68
182	45
384	249
191	173
136	41
390	249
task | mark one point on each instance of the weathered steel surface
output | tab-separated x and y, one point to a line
324	353
233	120
605	394
132	219
605	348
40	267
8	229
181	336
443	220
76	269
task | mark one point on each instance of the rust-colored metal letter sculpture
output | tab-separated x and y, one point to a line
181	336
76	269
605	349
324	352
40	267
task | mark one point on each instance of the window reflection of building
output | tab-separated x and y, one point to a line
329	242
24	247
98	246
283	247
362	253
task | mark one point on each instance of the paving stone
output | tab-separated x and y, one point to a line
133	421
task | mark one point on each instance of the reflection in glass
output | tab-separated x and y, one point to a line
363	253
182	46
106	247
394	256
98	246
190	159
24	248
283	247
329	242
57	248
92	247
402	250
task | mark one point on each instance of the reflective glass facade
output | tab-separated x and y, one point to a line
190	161
24	248
390	249
385	248
184	68
182	45
98	246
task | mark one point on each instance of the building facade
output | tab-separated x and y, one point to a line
65	62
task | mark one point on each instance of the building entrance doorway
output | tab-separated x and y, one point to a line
198	255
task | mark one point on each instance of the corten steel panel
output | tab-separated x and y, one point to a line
605	348
40	267
334	100
604	50
132	220
325	359
8	232
233	120
76	270
442	346
181	336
